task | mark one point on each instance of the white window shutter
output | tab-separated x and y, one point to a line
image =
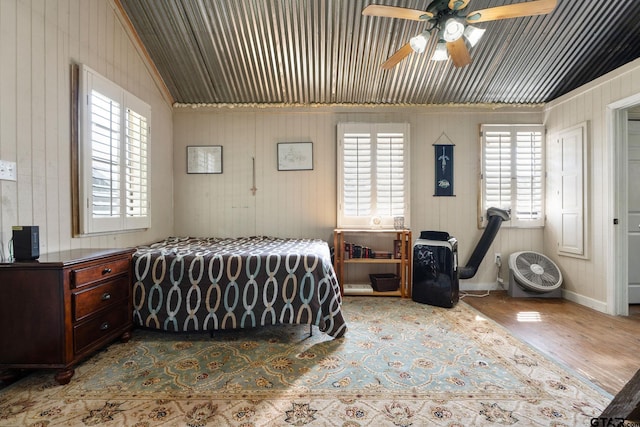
357	174
513	172
390	174
529	174
137	189
497	169
105	156
114	155
373	174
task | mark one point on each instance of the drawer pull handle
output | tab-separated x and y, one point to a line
106	271
106	296
104	326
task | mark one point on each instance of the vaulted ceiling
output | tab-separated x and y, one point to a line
325	52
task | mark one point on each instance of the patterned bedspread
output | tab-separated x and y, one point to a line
189	284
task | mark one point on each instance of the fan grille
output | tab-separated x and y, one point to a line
535	271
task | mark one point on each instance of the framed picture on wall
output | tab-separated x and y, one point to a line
204	159
295	156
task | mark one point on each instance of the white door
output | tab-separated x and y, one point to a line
634	212
572	146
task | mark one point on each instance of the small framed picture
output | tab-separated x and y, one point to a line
204	159
295	156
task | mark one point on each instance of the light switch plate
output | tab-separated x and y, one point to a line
8	170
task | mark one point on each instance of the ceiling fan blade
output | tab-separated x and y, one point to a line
459	53
397	57
530	8
396	12
458	4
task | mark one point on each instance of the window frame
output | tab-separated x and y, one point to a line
131	192
515	171
374	220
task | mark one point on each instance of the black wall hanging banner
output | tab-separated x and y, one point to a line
444	169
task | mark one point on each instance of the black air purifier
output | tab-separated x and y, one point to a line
435	269
26	242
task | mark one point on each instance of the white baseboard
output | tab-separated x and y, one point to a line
492	286
586	301
634	294
568	295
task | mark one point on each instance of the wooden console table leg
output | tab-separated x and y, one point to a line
126	336
9	376
63	376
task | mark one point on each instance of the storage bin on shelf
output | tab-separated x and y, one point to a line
385	282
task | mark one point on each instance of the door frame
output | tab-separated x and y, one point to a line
633	128
618	247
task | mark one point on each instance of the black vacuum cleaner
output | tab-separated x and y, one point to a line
435	262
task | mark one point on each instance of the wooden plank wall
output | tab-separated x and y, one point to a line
39	40
303	203
586	279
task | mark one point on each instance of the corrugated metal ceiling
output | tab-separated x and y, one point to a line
309	52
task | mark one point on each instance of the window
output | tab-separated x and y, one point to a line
513	172
373	174
113	156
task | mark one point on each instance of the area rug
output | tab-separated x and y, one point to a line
400	363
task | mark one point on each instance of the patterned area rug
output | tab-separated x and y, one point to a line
399	364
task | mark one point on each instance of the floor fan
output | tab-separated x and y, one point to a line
532	274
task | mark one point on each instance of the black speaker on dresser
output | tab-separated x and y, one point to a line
26	242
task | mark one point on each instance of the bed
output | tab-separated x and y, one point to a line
205	284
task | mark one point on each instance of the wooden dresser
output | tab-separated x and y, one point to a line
59	309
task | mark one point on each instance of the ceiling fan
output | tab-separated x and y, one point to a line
447	19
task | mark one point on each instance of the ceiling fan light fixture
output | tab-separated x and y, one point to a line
441	53
473	34
419	43
453	30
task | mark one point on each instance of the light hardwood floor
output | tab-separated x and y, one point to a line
604	349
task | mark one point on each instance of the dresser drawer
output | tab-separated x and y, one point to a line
87	333
90	300
85	276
